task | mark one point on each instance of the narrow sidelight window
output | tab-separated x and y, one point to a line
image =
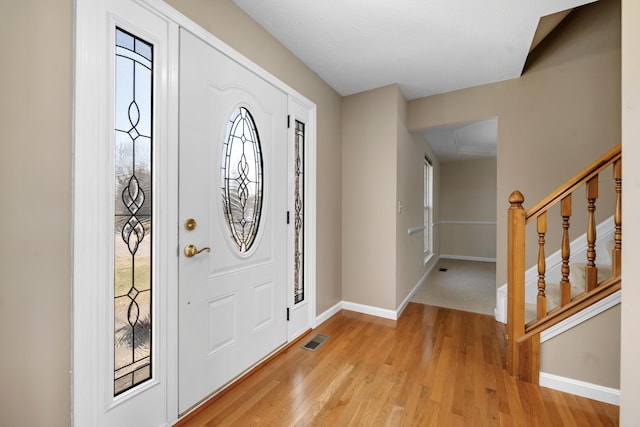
133	213
298	214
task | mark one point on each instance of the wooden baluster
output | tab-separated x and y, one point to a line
616	256
542	265
565	286
591	274
515	278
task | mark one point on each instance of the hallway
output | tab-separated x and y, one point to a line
464	285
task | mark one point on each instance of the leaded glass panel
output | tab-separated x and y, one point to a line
298	214
242	181
132	231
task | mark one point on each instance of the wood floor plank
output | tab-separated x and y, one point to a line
433	366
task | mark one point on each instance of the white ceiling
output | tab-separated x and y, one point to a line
464	141
425	46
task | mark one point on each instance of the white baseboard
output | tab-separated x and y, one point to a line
358	308
467	258
466	222
501	304
409	297
371	310
328	313
375	311
581	388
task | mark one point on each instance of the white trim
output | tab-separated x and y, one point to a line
358	308
582	316
171	184
467	222
468	258
409	297
581	388
500	312
92	398
306	113
311	214
327	314
368	309
428	257
84	399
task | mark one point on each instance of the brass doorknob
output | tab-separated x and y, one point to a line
191	250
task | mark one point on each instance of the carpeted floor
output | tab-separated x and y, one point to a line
466	285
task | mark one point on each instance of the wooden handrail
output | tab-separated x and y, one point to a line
581	178
523	341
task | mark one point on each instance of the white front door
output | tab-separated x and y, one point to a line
233	188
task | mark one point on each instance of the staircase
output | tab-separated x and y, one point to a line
581	285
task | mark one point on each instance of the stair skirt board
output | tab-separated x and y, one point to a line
582	316
580	388
604	233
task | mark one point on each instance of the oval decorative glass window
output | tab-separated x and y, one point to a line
242	180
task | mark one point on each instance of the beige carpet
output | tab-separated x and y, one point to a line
466	285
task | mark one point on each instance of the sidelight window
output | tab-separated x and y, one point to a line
298	214
133	213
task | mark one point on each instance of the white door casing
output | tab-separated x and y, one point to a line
93	195
301	313
232	304
154	403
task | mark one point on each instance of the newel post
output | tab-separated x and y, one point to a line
515	278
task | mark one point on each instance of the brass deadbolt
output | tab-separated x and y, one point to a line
190	224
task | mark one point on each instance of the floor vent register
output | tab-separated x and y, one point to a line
315	342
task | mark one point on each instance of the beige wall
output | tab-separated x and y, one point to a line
35	223
557	118
630	368
589	352
412	148
468	197
381	170
229	23
369	197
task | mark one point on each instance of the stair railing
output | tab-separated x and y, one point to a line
523	340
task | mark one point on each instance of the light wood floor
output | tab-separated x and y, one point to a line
432	367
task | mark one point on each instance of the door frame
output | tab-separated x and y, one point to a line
92	186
